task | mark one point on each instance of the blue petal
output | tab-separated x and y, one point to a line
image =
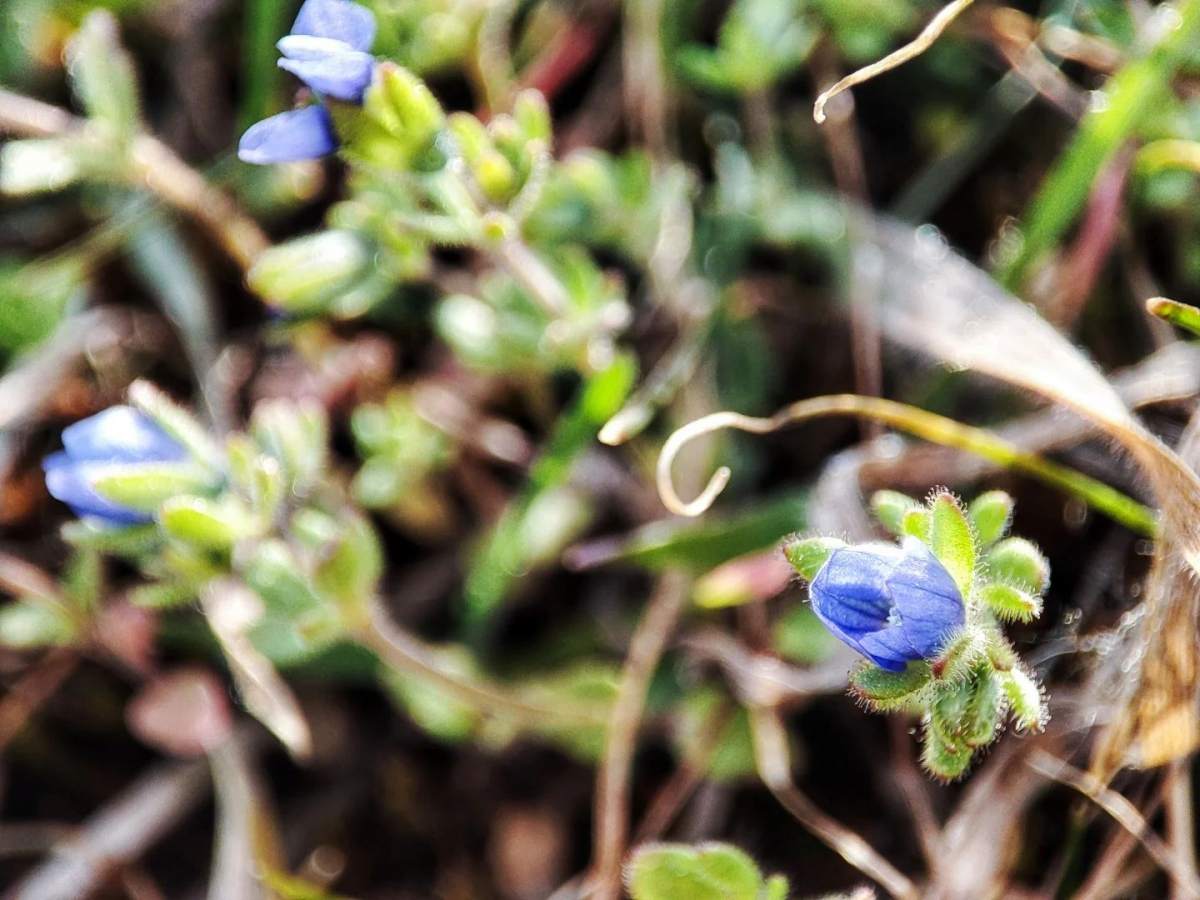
343	73
68	482
851	588
889	648
338	19
120	434
299	134
927	600
893	606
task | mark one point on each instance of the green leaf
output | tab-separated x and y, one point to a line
951	540
680	872
961	654
917	523
37	296
1017	562
883	690
291	887
713	728
398	122
274	573
990	515
102	76
808	555
131	542
705	544
986	710
208	524
296	434
969	713
182	287
307	274
1137	91
890	508
428	706
1181	315
81	584
1025	699
584	686
263	22
944	759
26	625
178	423
350	571
777	888
532	115
146	486
502	559
163	595
800	636
42	165
1009	603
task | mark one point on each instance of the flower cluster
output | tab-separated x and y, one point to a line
329	50
927	617
252	527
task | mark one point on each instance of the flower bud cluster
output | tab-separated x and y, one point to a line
150	484
927	617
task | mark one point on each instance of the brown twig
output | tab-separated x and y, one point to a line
1118	807
673	795
773	759
915	790
1181	827
152	165
649	642
850	175
760	679
911	50
648	100
406	654
35	687
119	834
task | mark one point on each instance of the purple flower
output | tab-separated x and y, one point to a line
329	50
118	437
892	604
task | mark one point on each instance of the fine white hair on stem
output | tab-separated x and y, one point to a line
913	48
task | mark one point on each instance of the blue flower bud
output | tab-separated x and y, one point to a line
118	436
339	20
329	67
298	134
894	605
329	50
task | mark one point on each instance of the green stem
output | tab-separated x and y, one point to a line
929	426
405	654
266	21
1181	315
1133	95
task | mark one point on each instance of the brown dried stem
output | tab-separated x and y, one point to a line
773	760
646	648
151	165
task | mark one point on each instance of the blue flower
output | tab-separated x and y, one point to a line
329	50
892	604
118	437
